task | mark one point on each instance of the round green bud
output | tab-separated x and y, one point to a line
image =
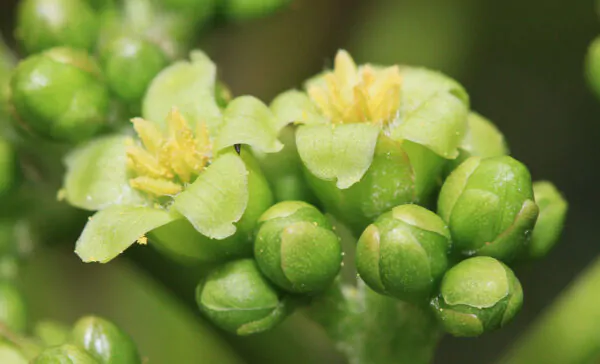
65	354
296	248
550	222
482	139
592	66
238	299
477	295
104	341
404	253
44	24
7	167
129	64
59	95
489	207
245	9
13	312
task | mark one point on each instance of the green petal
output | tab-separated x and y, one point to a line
110	231
217	199
189	86
343	152
433	111
97	175
294	106
248	121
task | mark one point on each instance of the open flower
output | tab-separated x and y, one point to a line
180	181
372	138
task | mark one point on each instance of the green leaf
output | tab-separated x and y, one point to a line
248	121
110	231
189	86
96	175
217	199
294	106
433	111
343	152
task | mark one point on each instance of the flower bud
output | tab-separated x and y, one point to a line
129	64
238	299
482	139
13	313
549	225
104	341
44	24
404	253
488	206
65	354
477	295
59	95
296	248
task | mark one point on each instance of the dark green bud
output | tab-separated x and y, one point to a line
59	95
237	298
129	64
12	307
7	166
592	65
477	295
404	253
65	354
489	207
104	341
296	248
45	24
482	139
550	222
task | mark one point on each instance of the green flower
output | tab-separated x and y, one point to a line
12	307
477	295
59	94
181	181
372	138
130	63
404	253
238	299
489	207
45	24
482	139
549	225
103	340
65	354
296	248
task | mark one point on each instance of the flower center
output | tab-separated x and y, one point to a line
351	94
165	161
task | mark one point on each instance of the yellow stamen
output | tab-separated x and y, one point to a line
351	94
142	240
154	186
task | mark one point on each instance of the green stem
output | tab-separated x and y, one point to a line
27	347
568	332
370	328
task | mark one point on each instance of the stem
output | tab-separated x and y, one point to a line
371	328
28	348
568	331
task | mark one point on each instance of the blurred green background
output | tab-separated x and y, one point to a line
522	63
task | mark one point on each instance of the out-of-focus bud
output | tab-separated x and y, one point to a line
12	307
489	207
237	298
549	225
477	295
45	24
296	248
65	354
592	63
7	166
404	253
59	95
129	64
107	343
